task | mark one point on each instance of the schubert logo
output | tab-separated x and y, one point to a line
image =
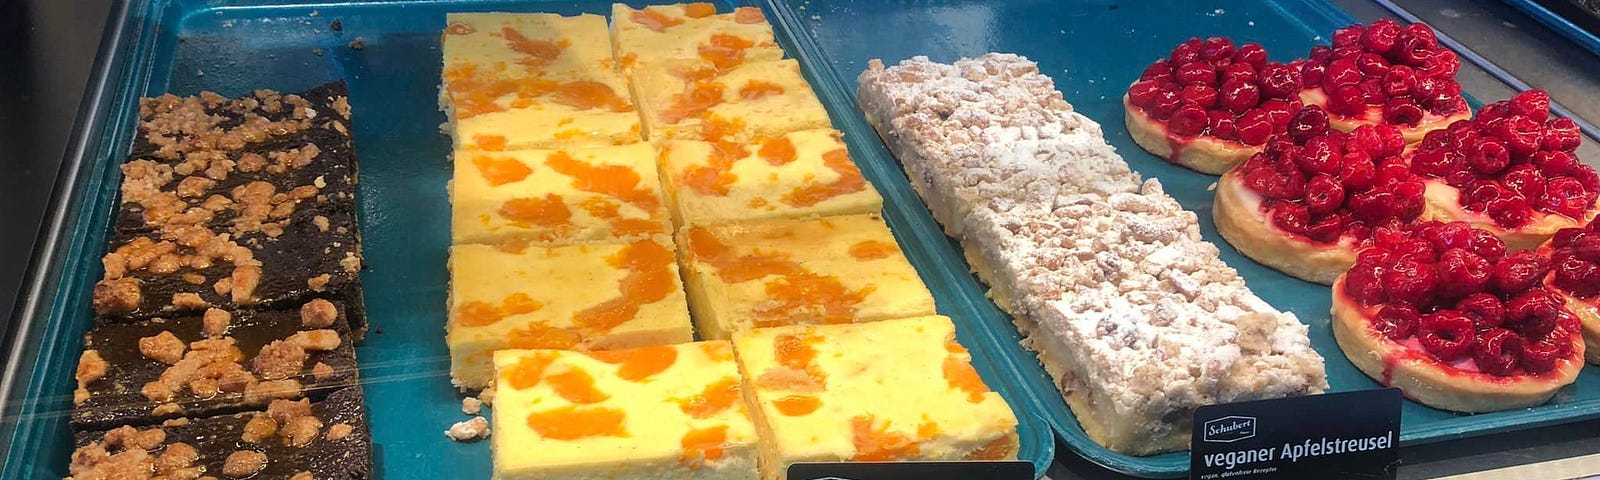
1230	429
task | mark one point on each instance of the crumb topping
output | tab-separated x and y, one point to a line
215	322
163	347
340	431
1106	273
244	463
318	313
469	431
471	405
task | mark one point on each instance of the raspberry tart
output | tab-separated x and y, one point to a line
1575	273
1313	196
1512	170
1385	73
1209	105
1455	322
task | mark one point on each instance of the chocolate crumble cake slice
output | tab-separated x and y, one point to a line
186	270
219	362
240	165
291	439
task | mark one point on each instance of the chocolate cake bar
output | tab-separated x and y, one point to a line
297	440
187	269
210	160
143	372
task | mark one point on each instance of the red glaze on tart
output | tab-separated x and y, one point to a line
1209	105
1575	273
1313	196
1512	170
1447	316
1385	73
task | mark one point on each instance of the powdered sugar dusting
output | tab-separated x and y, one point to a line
1106	273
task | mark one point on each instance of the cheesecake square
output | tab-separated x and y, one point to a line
800	174
666	412
694	99
585	297
895	390
554	197
533	81
691	31
845	269
529	44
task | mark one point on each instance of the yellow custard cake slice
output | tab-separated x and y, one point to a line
533	81
552	197
831	270
583	297
690	99
797	175
528	44
691	31
664	412
894	390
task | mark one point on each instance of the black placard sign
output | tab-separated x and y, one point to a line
912	471
1335	435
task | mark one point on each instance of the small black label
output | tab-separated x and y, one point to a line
912	471
1335	435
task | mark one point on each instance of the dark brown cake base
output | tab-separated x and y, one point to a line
118	398
327	455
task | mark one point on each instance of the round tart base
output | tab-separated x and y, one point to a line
1204	154
1425	380
1588	315
1374	116
1237	214
1444	204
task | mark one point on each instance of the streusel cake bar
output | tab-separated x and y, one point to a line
1134	315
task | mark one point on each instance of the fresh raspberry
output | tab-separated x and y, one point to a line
1380	38
1397	321
1410	281
1241	72
1462	273
1222	125
1197	73
1487	245
1519	272
1251	54
1364	282
1498	352
1189	120
1541	356
1486	310
1158	72
1561	134
1446	334
1290	217
1324	194
1533	104
1308	123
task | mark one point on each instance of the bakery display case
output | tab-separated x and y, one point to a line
536	239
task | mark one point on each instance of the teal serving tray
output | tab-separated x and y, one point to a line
232	47
1094	49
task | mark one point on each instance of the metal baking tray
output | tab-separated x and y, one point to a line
1094	49
1577	20
232	47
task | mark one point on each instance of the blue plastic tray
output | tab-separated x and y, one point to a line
1561	24
1094	50
231	47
